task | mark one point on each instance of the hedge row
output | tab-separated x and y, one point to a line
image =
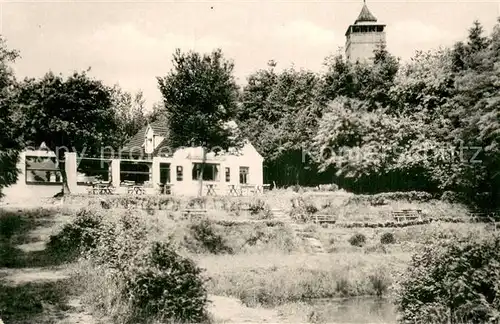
382	198
410	223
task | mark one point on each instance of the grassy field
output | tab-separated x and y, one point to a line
255	260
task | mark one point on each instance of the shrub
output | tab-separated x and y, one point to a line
166	286
260	208
357	239
382	198
119	241
387	238
454	197
197	202
453	281
204	238
302	210
80	235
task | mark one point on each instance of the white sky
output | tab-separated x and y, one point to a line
130	43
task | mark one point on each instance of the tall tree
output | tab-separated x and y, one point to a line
130	113
74	114
200	96
10	144
278	114
367	81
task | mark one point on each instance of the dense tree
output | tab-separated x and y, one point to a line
130	114
368	81
75	114
279	113
200	97
10	144
363	146
424	84
465	53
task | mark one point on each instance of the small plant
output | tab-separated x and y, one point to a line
257	206
387	238
311	209
358	240
380	282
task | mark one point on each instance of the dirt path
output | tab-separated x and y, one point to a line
15	277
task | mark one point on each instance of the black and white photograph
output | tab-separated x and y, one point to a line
249	161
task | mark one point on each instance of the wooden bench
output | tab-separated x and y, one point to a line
318	219
407	215
194	213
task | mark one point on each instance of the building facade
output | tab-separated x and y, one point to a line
145	161
364	37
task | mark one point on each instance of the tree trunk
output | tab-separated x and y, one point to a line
65	186
202	169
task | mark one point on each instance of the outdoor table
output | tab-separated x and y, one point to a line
134	189
247	189
137	190
233	191
210	190
101	188
165	188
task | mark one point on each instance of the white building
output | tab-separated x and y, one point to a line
147	162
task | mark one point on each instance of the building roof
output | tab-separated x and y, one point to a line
365	15
137	141
135	145
159	128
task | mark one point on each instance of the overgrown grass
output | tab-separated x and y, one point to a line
274	279
40	303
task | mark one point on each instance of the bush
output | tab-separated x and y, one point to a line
204	238
166	286
260	208
80	235
197	202
387	238
382	198
130	279
119	241
357	239
453	281
302	210
454	197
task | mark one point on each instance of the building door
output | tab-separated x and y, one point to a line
164	172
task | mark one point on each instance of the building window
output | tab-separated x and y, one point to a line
228	174
93	170
42	170
244	175
137	172
179	173
210	172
